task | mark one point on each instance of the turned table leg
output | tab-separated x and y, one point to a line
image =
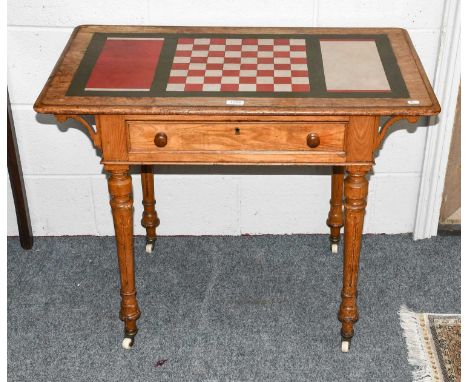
355	187
120	189
335	216
150	218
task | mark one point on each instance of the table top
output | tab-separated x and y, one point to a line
212	70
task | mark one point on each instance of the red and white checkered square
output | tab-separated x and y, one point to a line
239	64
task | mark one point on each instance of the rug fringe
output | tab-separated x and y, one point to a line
417	356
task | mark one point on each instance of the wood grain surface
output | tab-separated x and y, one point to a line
53	98
217	136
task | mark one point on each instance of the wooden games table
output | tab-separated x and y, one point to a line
243	96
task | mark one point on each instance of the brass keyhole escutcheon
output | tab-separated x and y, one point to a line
160	139
237	131
313	140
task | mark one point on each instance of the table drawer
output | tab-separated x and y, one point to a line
163	136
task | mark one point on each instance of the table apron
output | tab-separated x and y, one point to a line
271	140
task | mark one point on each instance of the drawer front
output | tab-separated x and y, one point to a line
281	137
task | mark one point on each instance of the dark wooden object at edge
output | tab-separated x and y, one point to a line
17	184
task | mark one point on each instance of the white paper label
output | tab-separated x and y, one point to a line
235	102
413	102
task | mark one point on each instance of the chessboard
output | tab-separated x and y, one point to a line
239	64
171	65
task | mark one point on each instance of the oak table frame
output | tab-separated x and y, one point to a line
333	129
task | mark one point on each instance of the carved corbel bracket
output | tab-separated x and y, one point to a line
95	137
383	131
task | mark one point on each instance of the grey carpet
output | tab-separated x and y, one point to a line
251	308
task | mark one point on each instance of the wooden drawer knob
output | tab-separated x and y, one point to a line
160	139
313	140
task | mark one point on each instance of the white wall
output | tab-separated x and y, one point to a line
67	190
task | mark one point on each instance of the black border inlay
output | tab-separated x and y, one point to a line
314	63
